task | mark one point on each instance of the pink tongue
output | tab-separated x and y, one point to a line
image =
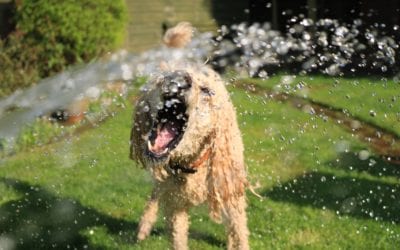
164	136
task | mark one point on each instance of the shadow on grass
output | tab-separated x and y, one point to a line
373	166
360	198
41	220
198	235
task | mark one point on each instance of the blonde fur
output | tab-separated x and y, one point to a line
220	180
178	36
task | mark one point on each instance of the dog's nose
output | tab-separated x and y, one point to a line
175	82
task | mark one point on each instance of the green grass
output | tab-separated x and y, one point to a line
376	101
85	192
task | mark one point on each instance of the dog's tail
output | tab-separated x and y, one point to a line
178	36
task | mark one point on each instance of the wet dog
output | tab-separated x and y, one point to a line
186	134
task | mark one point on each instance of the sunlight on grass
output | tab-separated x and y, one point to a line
305	237
373	100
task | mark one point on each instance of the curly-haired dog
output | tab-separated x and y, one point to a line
186	134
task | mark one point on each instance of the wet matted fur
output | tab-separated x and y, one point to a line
186	134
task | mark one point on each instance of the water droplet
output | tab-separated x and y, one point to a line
262	74
363	155
372	162
342	146
372	113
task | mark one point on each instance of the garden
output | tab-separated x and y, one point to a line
318	109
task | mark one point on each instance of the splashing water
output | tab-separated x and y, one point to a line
60	90
326	46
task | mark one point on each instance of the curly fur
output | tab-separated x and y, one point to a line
219	180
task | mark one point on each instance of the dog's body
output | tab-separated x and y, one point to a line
186	134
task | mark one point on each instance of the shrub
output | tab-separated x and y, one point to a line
17	65
52	34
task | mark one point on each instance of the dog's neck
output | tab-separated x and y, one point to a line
192	168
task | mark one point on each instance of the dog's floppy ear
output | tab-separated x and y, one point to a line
227	177
142	122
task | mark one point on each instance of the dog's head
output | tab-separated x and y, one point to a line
175	117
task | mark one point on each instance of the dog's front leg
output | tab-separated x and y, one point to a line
177	226
149	216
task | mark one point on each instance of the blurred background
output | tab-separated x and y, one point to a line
146	19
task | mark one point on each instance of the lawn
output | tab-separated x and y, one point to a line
373	100
323	188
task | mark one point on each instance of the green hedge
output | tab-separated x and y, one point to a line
52	34
18	65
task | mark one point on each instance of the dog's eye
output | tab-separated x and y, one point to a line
207	91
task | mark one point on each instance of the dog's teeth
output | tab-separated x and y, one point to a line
149	146
165	151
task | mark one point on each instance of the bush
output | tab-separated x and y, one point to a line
17	65
52	34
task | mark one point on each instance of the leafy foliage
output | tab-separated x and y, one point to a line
51	35
18	65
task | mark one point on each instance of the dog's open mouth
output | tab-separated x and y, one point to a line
168	129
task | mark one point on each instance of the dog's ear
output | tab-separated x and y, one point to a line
142	121
227	176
